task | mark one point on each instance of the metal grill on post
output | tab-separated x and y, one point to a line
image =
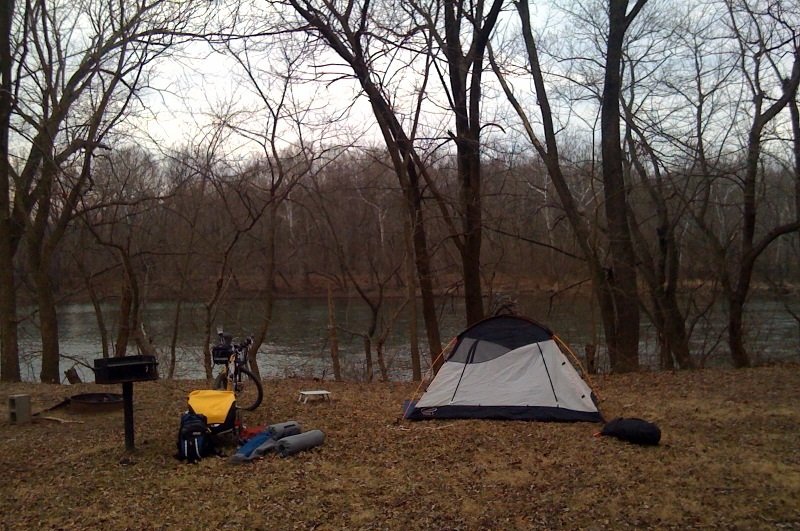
126	370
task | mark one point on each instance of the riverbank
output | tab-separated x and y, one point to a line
729	458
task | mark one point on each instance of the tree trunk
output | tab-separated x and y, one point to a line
9	355
739	354
101	323
269	287
665	361
143	341
98	310
9	348
51	356
469	168
48	319
173	342
411	294
677	340
622	328
794	112
124	325
210	314
369	371
381	361
211	307
411	188
334	338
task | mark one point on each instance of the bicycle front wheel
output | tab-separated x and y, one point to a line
221	381
248	389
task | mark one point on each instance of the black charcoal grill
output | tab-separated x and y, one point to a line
126	370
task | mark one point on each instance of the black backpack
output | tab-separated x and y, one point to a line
194	438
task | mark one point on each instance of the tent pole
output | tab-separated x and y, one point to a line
552	387
467	361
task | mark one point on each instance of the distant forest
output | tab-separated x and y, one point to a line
182	227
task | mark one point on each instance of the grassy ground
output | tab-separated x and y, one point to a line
729	458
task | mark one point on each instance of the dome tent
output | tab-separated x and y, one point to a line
506	367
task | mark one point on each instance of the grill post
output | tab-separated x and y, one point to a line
127	404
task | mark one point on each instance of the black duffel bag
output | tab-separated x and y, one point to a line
633	430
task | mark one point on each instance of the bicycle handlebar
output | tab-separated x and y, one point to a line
228	338
247	343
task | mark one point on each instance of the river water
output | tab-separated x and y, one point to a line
297	344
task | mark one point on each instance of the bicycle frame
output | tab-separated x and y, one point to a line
237	359
236	374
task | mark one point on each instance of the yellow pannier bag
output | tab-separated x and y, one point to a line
219	407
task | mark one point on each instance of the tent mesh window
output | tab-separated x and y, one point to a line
496	337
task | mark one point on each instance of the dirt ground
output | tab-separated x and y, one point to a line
729	458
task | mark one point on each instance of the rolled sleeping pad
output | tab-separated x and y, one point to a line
297	443
283	429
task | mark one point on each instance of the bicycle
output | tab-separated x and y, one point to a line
235	376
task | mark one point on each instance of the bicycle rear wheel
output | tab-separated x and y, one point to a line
248	389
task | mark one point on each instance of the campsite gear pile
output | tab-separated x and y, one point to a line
285	439
507	367
213	413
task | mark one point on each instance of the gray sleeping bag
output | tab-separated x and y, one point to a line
297	443
284	429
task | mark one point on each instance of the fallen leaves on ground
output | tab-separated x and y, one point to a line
729	458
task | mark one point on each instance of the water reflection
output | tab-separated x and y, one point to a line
298	346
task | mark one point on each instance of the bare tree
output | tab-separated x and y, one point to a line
615	285
721	54
89	279
769	41
623	336
465	67
117	212
272	78
240	204
72	89
659	267
655	218
348	32
182	214
368	263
